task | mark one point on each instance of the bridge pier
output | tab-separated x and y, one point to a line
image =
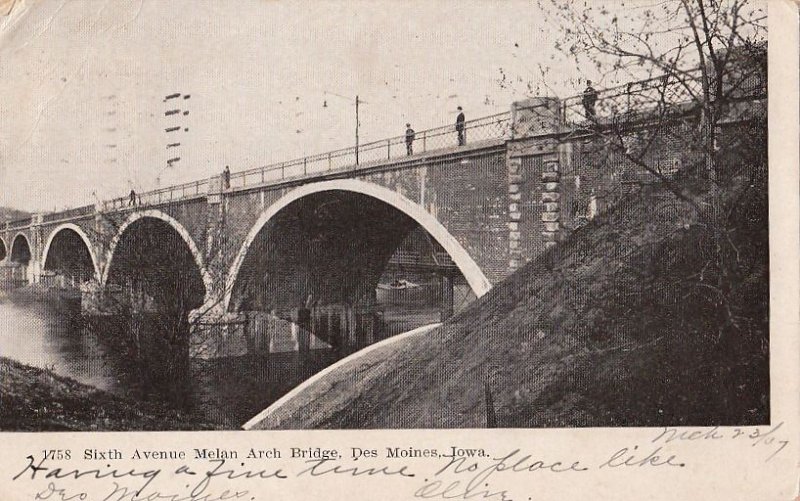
301	329
99	301
339	327
217	334
447	285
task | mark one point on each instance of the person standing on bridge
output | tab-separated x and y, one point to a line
132	198
409	140
460	128
226	177
589	100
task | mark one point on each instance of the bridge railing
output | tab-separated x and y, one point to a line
662	94
628	102
632	99
486	128
20	223
159	196
410	258
68	214
492	127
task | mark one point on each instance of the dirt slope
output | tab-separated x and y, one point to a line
618	325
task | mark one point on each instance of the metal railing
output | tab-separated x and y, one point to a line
662	94
394	148
159	196
483	129
486	128
439	259
633	99
68	214
20	223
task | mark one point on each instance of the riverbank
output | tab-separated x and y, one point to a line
33	399
39	292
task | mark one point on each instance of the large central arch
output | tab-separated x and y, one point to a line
476	279
69	227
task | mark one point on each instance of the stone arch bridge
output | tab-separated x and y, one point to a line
322	231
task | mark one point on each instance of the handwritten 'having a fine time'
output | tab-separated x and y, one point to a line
456	478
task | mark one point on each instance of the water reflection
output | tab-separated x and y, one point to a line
50	335
106	353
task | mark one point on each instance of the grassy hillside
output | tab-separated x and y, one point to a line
33	399
622	324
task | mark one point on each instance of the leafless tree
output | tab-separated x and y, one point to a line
687	72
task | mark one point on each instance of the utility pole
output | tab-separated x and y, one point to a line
356	129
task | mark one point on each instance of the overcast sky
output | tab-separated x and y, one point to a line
83	84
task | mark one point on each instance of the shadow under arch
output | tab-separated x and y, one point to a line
3	249
82	234
17	251
474	276
177	226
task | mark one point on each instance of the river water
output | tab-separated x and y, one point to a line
52	334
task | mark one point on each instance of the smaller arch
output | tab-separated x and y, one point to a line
14	245
77	229
177	226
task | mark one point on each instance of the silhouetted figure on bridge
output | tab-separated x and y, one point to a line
589	100
226	177
409	140
132	198
460	128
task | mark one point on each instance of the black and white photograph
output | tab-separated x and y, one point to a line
262	215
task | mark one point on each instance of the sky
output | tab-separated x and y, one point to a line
84	82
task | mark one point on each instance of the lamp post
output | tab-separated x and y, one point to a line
358	102
356	129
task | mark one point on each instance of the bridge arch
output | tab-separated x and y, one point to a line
3	249
474	276
20	249
85	238
177	226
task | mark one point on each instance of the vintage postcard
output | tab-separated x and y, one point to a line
355	250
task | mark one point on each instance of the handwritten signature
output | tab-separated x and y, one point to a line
461	478
121	493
